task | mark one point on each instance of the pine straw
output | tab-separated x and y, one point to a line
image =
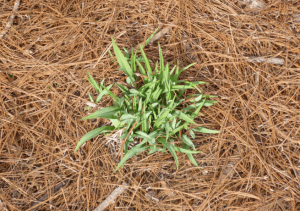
44	58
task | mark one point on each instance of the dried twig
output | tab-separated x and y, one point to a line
110	199
159	34
254	4
155	37
2	206
297	18
267	60
91	104
9	23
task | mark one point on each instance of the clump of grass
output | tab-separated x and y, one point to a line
154	110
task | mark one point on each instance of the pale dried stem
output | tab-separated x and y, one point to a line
9	23
111	198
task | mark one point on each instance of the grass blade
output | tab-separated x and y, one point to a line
104	113
178	149
103	93
171	148
184	117
132	152
94	83
190	156
205	130
123	61
188	141
92	134
147	64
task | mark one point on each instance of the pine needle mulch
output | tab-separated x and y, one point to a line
44	58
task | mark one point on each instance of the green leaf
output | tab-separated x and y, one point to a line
126	53
123	88
173	124
142	70
127	117
184	117
143	135
103	93
156	67
188	141
145	126
122	99
161	58
151	36
205	130
181	87
196	112
208	96
91	98
123	61
132	152
178	149
133	60
177	129
104	113
140	105
167	129
162	118
192	134
187	67
112	95
130	80
147	64
153	149
92	134
115	122
172	71
94	83
190	156
171	148
134	91
156	94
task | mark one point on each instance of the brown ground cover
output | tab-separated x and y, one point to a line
44	58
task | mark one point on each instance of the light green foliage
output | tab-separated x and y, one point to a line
151	108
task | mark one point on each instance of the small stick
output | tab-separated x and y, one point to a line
2	206
111	198
154	38
267	60
297	18
9	23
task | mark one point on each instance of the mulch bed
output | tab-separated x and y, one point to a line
44	58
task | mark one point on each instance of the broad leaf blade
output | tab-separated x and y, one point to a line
171	148
205	130
190	156
94	83
184	117
178	149
92	134
112	95
188	141
122	61
132	152
104	113
103	93
147	64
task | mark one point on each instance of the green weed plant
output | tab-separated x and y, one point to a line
152	108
